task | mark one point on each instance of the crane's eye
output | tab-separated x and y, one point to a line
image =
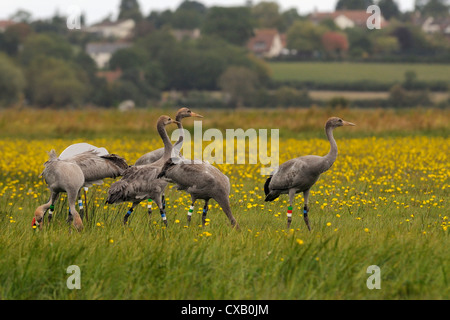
340	120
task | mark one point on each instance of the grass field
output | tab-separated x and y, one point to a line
352	72
384	202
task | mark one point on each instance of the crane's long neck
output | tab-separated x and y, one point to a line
165	138
332	155
180	126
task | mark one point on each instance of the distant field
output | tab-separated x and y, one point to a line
379	72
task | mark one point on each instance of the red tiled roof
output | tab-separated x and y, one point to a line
359	17
262	41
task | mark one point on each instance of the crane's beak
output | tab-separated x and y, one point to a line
346	123
193	114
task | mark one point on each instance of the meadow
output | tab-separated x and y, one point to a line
384	203
331	72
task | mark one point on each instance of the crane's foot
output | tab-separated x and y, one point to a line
305	217
126	216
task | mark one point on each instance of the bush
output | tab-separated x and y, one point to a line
12	81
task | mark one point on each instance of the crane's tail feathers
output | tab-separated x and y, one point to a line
272	195
117	160
266	185
166	166
117	192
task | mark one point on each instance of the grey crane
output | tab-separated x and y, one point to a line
155	155
300	174
139	182
71	174
202	181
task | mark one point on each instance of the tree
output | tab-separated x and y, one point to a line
231	23
305	37
267	15
389	9
353	4
45	45
12	81
14	36
129	9
335	42
55	82
239	84
433	8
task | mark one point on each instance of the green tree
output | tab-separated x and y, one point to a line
304	36
239	84
129	9
433	8
389	9
189	15
267	15
12	81
13	37
55	82
45	45
234	24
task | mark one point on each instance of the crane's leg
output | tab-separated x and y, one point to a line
80	205
129	212
85	203
72	197
205	211
289	211
190	211
163	201
162	208
51	208
149	207
41	210
306	209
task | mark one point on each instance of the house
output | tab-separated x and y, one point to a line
4	24
122	29
435	25
102	52
345	18
266	43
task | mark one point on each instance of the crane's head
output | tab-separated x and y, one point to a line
185	113
335	122
166	120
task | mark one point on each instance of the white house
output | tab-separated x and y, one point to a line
102	52
267	43
107	29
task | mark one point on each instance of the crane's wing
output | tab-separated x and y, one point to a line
300	173
78	148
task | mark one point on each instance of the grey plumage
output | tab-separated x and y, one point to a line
150	157
300	174
201	181
139	182
71	174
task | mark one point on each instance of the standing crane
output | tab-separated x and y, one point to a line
139	182
155	155
300	174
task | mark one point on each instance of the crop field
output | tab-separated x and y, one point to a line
354	72
383	203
